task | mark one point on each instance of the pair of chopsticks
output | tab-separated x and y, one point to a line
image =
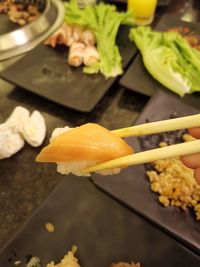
158	153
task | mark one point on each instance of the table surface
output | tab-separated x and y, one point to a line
22	190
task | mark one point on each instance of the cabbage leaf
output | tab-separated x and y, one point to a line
169	59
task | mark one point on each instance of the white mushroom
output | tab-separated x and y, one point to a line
18	118
21	127
34	130
10	143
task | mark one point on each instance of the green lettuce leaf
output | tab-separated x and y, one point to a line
169	59
105	21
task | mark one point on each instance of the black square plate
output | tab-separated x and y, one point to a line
45	71
133	188
103	230
137	77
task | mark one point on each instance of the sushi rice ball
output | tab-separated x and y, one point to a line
75	149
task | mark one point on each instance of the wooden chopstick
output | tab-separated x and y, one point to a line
148	156
158	153
160	126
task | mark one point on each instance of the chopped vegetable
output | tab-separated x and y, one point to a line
69	260
34	262
169	59
50	227
125	264
104	20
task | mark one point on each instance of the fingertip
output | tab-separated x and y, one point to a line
195	132
184	160
197	175
191	161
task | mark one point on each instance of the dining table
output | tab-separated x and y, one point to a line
110	228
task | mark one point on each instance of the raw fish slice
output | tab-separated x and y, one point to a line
89	142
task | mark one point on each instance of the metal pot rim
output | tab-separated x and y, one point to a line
26	38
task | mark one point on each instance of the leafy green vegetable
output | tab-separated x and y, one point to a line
104	20
169	59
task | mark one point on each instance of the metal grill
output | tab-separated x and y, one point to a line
25	38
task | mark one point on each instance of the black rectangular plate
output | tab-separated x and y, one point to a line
132	186
103	230
137	77
45	71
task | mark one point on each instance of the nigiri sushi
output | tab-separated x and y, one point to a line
74	149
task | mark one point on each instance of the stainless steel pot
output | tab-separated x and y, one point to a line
25	38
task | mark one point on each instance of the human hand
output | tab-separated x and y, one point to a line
193	161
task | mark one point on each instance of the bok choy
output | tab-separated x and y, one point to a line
169	59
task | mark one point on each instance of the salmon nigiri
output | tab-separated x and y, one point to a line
74	149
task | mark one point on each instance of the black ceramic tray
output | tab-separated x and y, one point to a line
132	186
103	230
45	71
136	77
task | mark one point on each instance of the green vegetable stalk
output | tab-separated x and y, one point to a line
169	59
105	21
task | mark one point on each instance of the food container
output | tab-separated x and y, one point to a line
25	38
